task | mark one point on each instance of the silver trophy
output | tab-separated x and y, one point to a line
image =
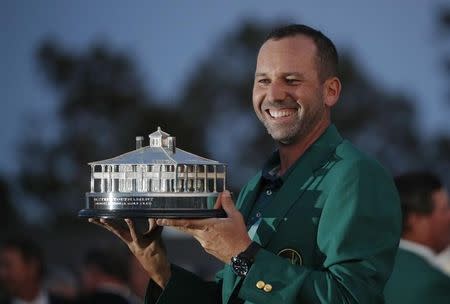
158	181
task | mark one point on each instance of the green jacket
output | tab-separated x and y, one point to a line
414	280
338	209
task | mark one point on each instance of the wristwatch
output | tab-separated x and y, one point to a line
241	263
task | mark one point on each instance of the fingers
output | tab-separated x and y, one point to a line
152	224
186	230
154	231
227	203
196	228
96	222
129	235
186	223
121	233
218	203
222	195
131	229
201	241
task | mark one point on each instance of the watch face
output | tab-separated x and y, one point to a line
240	266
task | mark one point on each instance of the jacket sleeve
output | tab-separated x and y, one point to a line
358	235
185	287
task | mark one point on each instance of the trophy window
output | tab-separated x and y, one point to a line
158	178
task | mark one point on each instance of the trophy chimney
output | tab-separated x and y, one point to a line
139	141
171	144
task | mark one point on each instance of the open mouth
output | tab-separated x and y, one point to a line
280	113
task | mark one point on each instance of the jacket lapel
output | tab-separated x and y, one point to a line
291	191
246	202
296	183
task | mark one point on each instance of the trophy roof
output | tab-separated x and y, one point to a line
156	155
159	133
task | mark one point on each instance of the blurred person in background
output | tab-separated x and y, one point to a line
444	260
22	272
63	282
417	277
104	278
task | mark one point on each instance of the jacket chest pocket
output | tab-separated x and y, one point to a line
296	235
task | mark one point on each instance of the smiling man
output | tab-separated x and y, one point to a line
320	223
294	91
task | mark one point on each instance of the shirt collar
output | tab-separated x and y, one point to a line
423	251
270	170
42	298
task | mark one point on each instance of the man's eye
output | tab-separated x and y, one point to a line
292	81
264	81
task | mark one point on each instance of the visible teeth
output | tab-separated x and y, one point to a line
280	113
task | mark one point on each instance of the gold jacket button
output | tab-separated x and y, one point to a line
267	288
260	284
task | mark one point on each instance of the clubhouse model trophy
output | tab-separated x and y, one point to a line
157	181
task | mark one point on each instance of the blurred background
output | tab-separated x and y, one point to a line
80	79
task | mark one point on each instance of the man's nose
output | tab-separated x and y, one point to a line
276	92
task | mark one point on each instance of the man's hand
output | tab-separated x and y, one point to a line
220	237
147	247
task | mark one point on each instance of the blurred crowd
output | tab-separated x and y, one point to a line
104	276
108	275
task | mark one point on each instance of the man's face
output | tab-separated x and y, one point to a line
440	220
15	272
287	92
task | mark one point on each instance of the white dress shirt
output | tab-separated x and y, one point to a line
42	298
424	252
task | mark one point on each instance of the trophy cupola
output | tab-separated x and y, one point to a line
159	139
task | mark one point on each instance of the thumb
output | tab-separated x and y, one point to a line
218	203
227	203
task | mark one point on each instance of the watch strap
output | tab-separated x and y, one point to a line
250	252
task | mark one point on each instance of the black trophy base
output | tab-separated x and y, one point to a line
153	213
145	205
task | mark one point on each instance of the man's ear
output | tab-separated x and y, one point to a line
331	91
417	221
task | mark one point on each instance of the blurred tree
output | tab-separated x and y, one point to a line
443	23
382	123
9	218
441	143
379	122
219	95
103	105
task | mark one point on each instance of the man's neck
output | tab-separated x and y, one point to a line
419	240
290	153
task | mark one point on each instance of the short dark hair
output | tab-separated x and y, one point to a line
28	249
327	56
416	190
109	262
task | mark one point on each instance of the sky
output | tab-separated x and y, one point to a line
394	41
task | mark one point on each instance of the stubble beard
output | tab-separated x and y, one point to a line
306	120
